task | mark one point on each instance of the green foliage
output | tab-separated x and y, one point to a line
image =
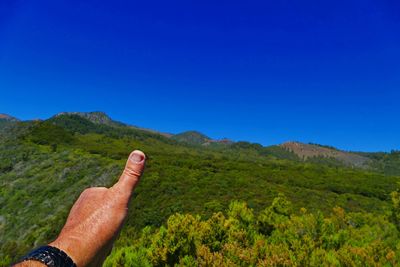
279	152
50	134
388	163
5	124
396	208
192	138
275	214
325	146
37	191
45	165
78	124
240	239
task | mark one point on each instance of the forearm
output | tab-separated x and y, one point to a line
94	222
30	264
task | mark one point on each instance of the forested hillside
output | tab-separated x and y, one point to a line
44	165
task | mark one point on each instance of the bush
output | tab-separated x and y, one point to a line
277	237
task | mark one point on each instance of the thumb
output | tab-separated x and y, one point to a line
131	175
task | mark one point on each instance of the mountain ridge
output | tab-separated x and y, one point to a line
7	117
303	151
306	151
97	117
44	165
100	117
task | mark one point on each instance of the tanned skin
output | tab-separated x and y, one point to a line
97	217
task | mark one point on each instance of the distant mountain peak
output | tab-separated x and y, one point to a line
192	137
195	133
97	117
7	117
198	138
98	114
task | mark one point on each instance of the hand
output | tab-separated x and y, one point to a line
97	217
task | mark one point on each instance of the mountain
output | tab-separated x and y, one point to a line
44	165
6	117
197	138
97	117
307	151
192	137
6	123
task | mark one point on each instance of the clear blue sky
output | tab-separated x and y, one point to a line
263	71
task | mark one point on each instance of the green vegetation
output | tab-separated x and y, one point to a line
274	237
325	146
45	165
387	163
192	137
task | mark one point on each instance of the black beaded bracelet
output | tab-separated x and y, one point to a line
50	256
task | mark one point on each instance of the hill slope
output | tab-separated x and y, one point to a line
192	137
6	123
96	117
307	151
7	117
45	165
